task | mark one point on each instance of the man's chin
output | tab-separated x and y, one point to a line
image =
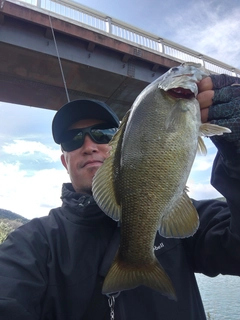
93	169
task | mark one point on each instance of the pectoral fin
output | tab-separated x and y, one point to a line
209	130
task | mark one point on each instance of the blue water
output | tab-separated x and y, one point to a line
221	296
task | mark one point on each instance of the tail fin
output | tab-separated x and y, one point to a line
123	276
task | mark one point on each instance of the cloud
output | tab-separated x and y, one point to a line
29	148
30	196
31	173
203	163
201	191
208	27
211	28
199	179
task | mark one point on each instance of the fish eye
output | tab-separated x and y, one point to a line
174	69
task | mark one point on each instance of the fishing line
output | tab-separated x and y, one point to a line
59	60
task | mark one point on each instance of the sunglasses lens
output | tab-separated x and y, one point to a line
102	135
73	143
75	138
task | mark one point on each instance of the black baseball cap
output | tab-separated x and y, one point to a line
76	110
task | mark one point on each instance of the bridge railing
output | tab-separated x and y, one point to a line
89	18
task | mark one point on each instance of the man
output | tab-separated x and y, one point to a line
54	267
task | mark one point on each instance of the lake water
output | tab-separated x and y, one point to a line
221	296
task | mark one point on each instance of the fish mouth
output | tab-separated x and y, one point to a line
181	93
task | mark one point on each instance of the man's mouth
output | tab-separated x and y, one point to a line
93	163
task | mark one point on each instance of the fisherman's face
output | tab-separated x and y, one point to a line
82	163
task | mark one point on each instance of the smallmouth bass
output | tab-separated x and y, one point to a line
143	181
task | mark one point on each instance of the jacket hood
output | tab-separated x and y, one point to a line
74	199
79	207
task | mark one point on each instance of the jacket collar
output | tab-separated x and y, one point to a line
81	207
74	199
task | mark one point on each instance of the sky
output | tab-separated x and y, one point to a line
31	173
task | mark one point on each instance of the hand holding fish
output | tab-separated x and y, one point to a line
219	99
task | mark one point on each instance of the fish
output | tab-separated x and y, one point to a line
142	184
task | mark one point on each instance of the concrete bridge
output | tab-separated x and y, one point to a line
55	51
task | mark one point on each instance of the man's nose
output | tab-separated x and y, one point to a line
89	145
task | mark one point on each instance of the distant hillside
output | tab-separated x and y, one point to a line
9	221
7	214
221	199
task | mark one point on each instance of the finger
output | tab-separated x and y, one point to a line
205	99
205	84
204	115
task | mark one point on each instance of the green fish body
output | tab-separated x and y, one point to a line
143	181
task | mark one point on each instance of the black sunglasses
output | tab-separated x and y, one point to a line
100	133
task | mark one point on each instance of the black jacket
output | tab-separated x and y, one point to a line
53	267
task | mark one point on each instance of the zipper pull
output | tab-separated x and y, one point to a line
111	303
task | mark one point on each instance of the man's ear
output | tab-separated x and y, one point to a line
63	161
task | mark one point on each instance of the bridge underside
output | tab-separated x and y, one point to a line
94	65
